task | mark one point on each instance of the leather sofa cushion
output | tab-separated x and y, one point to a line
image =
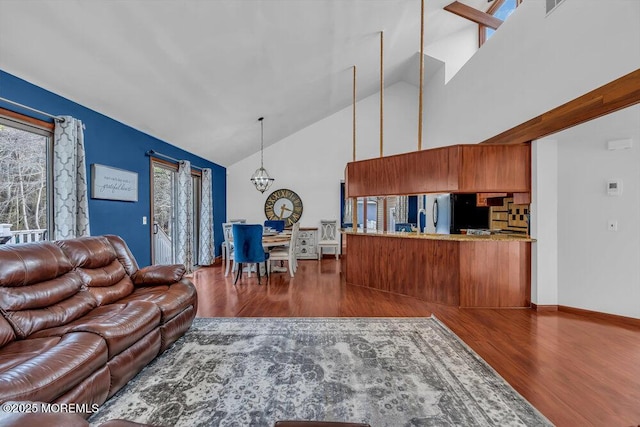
6	332
159	275
88	252
27	322
113	293
97	264
30	263
104	275
39	289
40	295
171	299
42	369
120	325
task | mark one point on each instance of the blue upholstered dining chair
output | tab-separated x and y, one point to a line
247	247
403	226
275	224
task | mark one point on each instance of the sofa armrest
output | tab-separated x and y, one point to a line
154	275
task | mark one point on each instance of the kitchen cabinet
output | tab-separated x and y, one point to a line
490	199
454	169
494	168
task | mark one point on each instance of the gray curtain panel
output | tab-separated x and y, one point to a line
206	237
70	203
184	232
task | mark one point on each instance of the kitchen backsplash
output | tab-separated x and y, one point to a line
509	217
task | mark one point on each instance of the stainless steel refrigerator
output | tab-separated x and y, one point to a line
451	213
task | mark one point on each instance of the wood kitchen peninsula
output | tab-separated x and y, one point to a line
452	269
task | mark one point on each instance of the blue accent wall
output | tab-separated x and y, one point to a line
109	142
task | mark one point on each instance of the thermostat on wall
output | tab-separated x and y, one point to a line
614	187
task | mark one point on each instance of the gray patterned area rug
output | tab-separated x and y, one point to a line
382	371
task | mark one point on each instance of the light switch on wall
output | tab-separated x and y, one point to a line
614	187
144	220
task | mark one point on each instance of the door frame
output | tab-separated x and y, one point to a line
154	161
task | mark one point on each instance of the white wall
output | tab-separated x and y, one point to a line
599	269
455	50
312	161
532	64
544	221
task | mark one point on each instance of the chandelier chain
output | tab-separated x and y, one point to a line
261	142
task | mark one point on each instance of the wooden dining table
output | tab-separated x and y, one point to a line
270	241
273	240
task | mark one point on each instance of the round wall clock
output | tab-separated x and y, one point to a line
283	204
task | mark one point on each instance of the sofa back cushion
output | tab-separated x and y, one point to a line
125	256
97	264
39	289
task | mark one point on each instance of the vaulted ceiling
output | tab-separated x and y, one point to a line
199	73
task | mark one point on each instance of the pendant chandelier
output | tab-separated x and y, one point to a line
260	177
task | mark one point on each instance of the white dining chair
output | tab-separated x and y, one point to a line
329	237
227	246
287	253
294	242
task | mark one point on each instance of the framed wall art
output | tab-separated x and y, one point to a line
113	184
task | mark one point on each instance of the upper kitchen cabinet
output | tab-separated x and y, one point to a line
494	168
395	175
457	168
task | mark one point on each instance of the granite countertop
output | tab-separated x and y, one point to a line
449	237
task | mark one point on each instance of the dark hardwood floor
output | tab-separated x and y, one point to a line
576	370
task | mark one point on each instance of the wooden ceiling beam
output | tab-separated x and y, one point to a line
474	15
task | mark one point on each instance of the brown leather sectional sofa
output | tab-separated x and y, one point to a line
79	319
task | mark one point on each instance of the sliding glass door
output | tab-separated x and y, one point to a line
163	216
